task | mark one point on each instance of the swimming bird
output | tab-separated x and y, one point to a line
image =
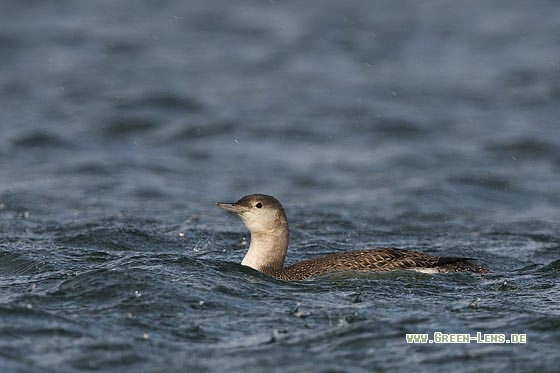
265	218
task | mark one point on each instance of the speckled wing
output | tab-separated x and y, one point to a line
380	259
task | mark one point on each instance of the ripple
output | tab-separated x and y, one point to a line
493	182
163	101
397	128
527	148
92	167
552	267
40	139
128	127
17	264
204	130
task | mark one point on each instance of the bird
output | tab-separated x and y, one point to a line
266	220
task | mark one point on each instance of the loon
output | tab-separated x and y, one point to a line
266	220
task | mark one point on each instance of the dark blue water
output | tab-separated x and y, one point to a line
423	125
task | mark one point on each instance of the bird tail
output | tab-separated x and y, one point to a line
459	264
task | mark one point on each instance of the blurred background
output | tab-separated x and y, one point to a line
113	105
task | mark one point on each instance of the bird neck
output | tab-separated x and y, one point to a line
267	250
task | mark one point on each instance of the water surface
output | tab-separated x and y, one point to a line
430	126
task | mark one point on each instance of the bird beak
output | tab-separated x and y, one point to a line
231	207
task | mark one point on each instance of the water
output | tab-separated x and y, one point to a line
429	126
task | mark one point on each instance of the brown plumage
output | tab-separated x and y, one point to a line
265	218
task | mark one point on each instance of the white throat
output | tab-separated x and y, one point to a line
267	250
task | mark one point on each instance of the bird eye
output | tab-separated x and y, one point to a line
258	205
